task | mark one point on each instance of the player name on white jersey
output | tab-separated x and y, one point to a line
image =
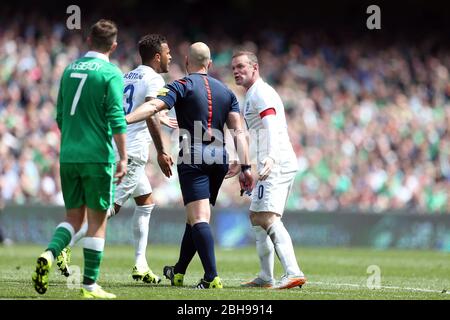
133	75
139	84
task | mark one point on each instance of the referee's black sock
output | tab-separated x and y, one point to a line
187	251
204	242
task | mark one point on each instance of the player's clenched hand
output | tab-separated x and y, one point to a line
267	168
165	162
246	181
168	121
233	170
121	170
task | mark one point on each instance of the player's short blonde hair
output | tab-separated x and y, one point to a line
250	55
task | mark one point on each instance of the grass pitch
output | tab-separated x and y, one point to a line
333	273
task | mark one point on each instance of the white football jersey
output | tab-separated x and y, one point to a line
259	98
139	83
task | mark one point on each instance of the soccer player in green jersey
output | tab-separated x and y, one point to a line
89	114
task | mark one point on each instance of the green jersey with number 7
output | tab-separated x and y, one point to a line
90	109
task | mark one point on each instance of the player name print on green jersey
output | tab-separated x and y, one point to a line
90	109
92	66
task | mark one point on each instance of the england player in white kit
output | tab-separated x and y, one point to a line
271	148
140	85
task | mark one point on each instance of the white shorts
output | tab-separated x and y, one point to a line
134	184
271	194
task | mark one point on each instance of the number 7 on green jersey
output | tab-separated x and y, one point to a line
83	77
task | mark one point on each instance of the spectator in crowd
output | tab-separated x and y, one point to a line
368	121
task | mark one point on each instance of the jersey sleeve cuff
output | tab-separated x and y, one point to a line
167	100
118	130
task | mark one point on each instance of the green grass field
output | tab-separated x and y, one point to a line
333	273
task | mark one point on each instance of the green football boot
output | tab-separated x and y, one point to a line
40	276
146	276
63	261
97	293
216	283
176	279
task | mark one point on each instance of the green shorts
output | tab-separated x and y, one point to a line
90	184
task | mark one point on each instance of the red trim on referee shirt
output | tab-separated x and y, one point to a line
268	112
208	91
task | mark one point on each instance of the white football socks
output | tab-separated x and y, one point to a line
141	219
84	227
79	235
265	249
90	287
284	248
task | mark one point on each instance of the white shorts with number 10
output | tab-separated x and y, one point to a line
271	194
134	184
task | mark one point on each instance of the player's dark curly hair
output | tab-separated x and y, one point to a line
149	45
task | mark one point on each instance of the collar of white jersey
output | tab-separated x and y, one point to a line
143	66
98	55
253	87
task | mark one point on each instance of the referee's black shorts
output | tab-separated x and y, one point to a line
201	181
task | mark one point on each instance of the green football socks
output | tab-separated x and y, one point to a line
61	238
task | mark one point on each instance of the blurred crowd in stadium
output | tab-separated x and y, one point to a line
369	123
